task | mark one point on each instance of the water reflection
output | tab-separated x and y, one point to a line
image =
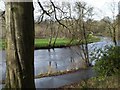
58	59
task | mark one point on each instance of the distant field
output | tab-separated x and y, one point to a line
45	42
60	42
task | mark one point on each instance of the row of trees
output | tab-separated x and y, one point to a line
69	22
61	20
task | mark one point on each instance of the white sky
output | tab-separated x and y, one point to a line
102	7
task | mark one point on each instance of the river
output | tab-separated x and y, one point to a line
57	59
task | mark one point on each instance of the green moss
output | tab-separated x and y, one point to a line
2	44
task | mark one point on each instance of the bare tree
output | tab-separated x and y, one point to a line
84	13
112	23
2	24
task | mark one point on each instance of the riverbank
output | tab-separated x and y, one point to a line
59	43
49	74
57	73
111	82
61	80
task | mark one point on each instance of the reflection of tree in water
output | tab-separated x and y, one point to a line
72	63
50	63
56	65
50	67
75	62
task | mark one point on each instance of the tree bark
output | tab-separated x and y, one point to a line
20	45
118	36
118	32
114	36
85	46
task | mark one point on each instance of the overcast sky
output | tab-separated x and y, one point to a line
102	7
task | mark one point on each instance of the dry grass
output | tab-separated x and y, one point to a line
59	72
108	82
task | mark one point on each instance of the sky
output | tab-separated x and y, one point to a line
102	7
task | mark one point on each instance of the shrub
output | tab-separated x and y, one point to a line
109	62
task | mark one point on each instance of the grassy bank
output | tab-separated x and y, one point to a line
60	42
61	72
95	82
50	74
44	43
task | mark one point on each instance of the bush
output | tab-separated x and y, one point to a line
109	62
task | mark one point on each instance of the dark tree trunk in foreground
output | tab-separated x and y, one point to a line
118	36
114	36
20	45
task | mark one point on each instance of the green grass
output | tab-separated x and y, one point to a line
2	44
60	42
45	42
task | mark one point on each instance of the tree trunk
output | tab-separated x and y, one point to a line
118	36
86	53
114	36
20	45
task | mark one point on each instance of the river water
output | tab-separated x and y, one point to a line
57	59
